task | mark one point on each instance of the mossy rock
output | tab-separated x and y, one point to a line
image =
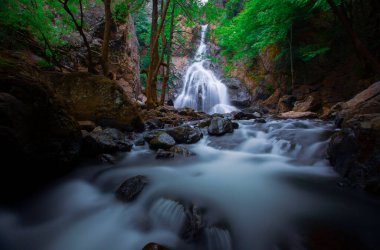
97	98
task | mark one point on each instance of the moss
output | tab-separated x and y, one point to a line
97	98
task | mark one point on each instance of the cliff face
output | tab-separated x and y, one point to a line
125	60
124	57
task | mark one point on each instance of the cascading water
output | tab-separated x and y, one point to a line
265	186
202	90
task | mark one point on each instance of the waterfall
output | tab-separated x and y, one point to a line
202	90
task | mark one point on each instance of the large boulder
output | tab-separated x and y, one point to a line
98	99
354	151
39	140
109	140
185	134
238	92
162	141
220	126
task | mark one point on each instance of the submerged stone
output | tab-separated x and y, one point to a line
131	188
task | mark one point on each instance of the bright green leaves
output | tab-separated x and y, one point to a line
261	23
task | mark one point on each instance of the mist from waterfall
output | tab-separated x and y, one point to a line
202	90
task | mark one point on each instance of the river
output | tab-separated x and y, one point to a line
265	186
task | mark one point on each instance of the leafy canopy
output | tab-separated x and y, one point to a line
261	23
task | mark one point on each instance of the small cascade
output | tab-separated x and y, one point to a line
202	90
218	239
168	213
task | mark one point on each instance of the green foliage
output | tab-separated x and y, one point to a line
122	8
44	19
142	27
43	63
262	23
120	11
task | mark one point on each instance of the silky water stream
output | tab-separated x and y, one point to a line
265	186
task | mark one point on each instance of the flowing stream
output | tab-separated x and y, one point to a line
265	186
202	90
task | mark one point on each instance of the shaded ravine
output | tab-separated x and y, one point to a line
265	186
202	90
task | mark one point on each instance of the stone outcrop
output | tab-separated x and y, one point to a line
98	99
355	150
124	57
39	140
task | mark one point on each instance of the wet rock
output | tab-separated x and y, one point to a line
139	142
131	188
193	226
220	126
87	125
162	141
154	123
182	151
204	123
107	158
244	115
154	246
109	140
298	115
163	154
354	151
260	120
149	135
342	150
185	134
235	125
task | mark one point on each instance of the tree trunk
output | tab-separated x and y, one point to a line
360	47
106	36
154	64
79	27
168	57
151	79
291	56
